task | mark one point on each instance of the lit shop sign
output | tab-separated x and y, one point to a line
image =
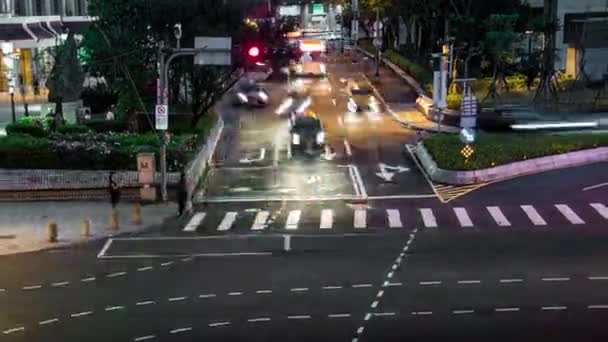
287	11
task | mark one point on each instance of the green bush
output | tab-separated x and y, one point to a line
23	151
454	101
73	129
34	128
497	149
107	126
417	71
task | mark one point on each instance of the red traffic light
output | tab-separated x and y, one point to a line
253	51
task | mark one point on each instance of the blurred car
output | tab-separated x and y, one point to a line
306	134
254	96
258	72
308	78
361	100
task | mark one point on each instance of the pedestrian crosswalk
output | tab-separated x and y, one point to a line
365	219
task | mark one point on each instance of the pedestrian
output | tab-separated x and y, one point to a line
182	194
22	86
110	114
114	190
36	86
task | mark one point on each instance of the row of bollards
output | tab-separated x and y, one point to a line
85	226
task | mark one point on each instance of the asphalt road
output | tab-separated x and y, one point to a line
325	250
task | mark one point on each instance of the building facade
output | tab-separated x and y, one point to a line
28	28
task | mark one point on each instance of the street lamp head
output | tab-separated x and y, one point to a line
177	30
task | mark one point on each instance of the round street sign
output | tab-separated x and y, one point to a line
377	43
467	136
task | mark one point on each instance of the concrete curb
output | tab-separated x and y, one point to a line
511	170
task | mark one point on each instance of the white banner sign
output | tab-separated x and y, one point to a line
161	115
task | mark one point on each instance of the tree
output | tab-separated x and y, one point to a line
66	77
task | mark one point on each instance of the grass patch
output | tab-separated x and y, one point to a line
498	149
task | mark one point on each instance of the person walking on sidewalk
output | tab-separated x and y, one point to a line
114	190
182	194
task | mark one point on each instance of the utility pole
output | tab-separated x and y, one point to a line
355	27
378	41
161	99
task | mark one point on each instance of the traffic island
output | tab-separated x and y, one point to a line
495	157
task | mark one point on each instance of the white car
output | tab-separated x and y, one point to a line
254	97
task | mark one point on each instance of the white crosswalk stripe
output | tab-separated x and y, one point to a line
360	219
601	209
569	214
194	222
394	218
327	219
259	222
498	216
428	218
463	217
293	219
533	215
227	221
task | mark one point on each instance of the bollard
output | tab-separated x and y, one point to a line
137	213
52	231
85	228
114	219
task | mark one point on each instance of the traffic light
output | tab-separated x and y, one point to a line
253	52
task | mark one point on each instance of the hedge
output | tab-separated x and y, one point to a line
498	149
417	71
72	129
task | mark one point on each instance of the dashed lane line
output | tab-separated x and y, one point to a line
81	314
114	308
462	312
263	291
144	338
508	309
180	330
553	308
219	324
147	302
116	274
339	315
32	287
208	295
298	317
511	280
48	321
143	269
259	319
556	279
13	330
177	299
60	284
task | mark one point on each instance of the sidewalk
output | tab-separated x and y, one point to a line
409	116
23	225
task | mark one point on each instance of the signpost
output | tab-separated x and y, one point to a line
161	117
468	107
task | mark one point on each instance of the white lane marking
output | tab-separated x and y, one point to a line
466	282
327	219
556	279
374	304
177	299
498	216
142	269
49	321
299	317
293	219
227	221
428	218
88	280
168	263
390	274
148	302
299	289
340	315
263	291
116	274
463	217
219	324
360	330
13	330
187	259
32	287
359	181
105	247
259	319
601	209
331	287
60	284
379	294
235	293
180	330
394	218
394	284
259	222
433	282
144	338
114	308
511	280
349	152
462	312
209	295
380	314
597	306
360	218
80	314
356	286
533	215
422	313
594	186
513	309
194	222
367	317
569	214
553	308
597	277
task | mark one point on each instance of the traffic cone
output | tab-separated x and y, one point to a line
52	231
137	213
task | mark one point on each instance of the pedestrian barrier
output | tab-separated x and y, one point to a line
52	231
136	213
85	228
113	219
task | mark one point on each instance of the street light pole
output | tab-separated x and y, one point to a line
378	43
161	99
13	116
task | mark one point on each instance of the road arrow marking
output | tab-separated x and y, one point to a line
260	158
386	174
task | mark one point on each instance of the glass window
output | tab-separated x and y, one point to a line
57	7
39	7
